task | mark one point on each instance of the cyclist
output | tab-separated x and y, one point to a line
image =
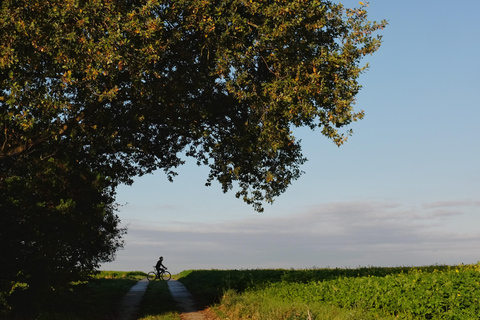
159	266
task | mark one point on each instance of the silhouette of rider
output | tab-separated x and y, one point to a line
159	266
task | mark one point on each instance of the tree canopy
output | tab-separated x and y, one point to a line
130	86
94	93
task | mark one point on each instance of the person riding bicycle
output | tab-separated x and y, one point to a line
160	272
159	266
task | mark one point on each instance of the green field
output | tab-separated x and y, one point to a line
431	292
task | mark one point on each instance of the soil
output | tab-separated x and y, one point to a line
185	302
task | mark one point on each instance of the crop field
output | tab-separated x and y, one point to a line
431	292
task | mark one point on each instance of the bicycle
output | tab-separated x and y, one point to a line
161	275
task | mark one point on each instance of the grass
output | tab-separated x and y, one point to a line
255	306
157	304
240	299
95	300
134	275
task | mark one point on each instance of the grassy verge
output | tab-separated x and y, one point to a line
256	305
157	304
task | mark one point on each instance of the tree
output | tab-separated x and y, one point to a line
133	84
57	225
117	89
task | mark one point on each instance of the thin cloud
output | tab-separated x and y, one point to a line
444	204
336	234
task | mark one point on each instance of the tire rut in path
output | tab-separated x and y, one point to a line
130	303
185	302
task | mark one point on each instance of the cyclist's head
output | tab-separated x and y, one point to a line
161	258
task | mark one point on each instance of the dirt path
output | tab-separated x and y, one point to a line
183	298
185	301
131	301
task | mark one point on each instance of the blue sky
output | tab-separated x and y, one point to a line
404	190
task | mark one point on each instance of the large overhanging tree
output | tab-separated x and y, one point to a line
98	92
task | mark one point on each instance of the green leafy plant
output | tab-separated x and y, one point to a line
431	292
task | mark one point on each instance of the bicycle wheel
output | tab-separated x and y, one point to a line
166	276
151	276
